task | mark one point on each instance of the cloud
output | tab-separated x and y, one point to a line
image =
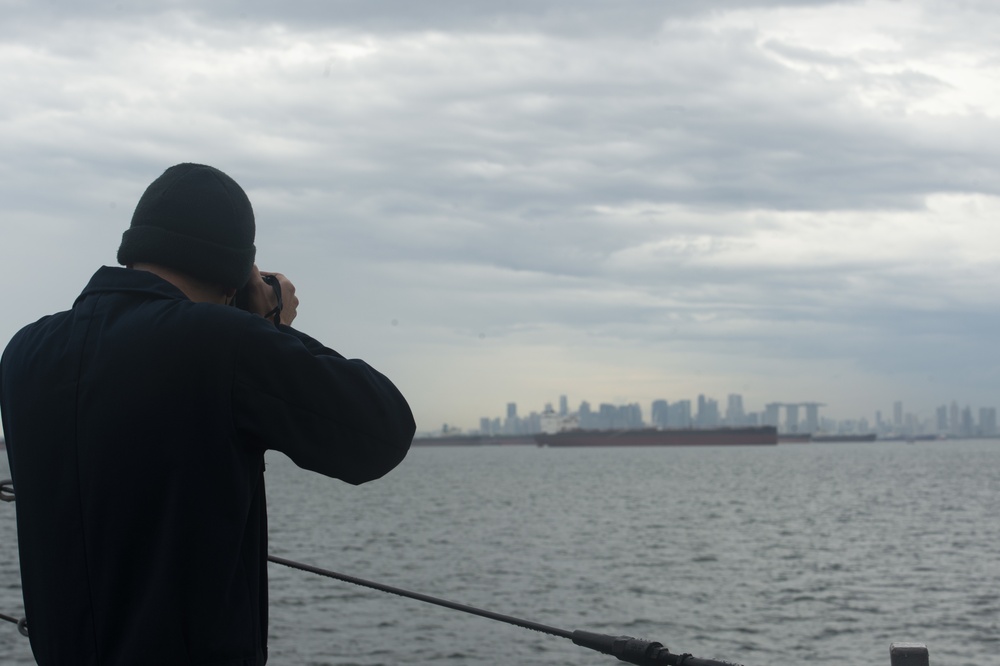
583	18
785	187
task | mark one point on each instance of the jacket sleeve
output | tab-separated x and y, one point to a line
336	416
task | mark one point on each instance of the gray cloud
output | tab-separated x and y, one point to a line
619	176
560	17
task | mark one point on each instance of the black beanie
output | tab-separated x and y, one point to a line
197	220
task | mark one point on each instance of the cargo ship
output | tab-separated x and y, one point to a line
826	439
655	437
794	438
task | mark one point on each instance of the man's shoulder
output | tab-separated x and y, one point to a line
225	317
40	327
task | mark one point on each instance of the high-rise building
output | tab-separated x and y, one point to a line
897	415
679	414
792	418
585	416
659	413
630	416
563	406
967	429
941	419
512	424
988	421
708	413
607	416
735	416
772	414
811	424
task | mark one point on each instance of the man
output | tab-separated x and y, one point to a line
136	426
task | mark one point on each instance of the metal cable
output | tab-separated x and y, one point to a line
22	623
526	624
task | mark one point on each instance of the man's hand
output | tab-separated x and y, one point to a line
262	299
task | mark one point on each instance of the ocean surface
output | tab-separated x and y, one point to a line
792	554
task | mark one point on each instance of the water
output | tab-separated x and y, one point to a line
795	554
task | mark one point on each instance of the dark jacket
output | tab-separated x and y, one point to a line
136	425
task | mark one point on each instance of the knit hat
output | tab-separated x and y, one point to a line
197	220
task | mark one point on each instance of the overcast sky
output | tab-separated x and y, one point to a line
496	202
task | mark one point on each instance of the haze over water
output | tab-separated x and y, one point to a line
818	554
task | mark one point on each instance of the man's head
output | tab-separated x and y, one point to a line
196	220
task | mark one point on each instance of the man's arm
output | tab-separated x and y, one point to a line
336	416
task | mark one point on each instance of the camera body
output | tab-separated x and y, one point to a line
241	298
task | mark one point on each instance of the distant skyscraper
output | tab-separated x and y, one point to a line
811	424
708	413
633	416
679	414
772	414
607	416
734	410
660	413
792	418
968	427
988	421
897	414
563	406
512	424
941	416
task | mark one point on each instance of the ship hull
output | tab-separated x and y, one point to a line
841	439
764	435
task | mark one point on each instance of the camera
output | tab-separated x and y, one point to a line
242	298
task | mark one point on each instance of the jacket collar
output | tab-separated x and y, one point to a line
114	279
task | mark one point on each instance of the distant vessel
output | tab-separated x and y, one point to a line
911	438
654	437
870	437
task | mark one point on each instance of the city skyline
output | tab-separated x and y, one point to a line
704	411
